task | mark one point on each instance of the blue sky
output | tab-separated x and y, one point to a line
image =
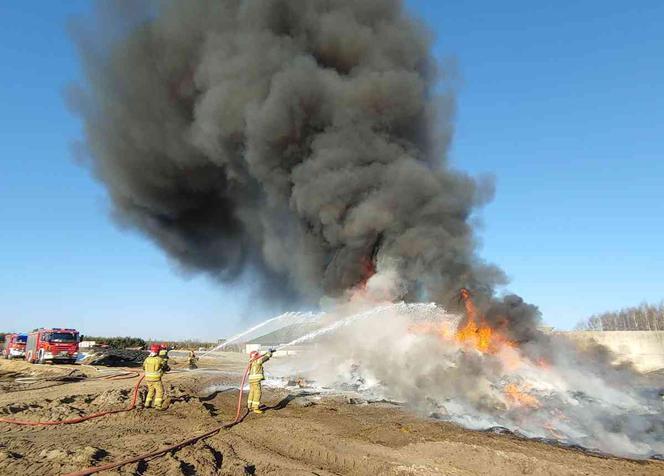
560	101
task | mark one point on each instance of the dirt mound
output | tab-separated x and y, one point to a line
86	455
66	407
23	377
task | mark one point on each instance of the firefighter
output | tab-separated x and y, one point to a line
255	378
192	360
163	353
154	367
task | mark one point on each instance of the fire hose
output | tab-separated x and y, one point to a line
79	419
57	381
116	376
159	452
152	454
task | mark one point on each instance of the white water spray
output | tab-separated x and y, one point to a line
419	311
278	322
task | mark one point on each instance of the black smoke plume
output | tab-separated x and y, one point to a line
298	138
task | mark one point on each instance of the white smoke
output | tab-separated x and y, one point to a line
572	398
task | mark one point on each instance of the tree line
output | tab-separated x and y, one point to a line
137	342
127	342
645	317
117	342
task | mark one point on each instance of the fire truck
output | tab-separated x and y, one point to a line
14	346
52	345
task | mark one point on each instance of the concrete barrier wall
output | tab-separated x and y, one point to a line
644	348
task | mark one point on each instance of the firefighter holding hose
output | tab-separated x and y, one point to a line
255	378
163	353
192	360
155	366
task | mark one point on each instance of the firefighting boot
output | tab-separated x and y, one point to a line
258	410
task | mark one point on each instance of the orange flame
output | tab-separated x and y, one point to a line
476	332
519	397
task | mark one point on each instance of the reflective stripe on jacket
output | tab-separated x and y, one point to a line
154	367
256	372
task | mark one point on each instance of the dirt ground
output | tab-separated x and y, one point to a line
301	433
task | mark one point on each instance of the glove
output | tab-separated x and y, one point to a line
272	351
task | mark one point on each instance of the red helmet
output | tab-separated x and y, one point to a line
154	348
253	354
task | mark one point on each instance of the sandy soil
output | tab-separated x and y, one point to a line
302	433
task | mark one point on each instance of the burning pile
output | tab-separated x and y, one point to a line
474	373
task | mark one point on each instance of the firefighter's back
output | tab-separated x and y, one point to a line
153	366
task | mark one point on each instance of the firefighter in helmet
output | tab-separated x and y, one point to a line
163	353
255	378
155	366
192	360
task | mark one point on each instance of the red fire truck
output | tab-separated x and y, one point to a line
52	345
14	346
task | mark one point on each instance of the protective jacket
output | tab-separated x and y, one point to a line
192	360
154	367
256	371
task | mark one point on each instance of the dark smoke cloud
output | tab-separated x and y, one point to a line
293	137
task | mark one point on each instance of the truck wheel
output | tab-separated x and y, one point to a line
40	359
8	357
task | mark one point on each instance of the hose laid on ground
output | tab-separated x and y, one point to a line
57	381
241	392
135	459
152	454
119	376
79	419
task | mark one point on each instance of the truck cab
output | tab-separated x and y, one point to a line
14	346
52	345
